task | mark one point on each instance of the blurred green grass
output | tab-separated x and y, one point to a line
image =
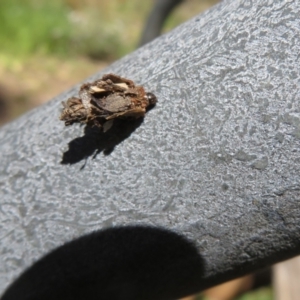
29	27
265	293
99	29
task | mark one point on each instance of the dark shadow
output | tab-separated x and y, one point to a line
128	263
95	141
156	19
4	107
262	278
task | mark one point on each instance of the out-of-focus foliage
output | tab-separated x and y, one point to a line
98	29
265	293
31	26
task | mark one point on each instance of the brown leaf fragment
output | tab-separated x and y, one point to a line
105	99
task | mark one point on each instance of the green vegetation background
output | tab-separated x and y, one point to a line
35	27
99	29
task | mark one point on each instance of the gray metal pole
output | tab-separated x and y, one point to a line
218	158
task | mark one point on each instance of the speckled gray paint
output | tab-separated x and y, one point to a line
218	158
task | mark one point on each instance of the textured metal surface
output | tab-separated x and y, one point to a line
218	159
